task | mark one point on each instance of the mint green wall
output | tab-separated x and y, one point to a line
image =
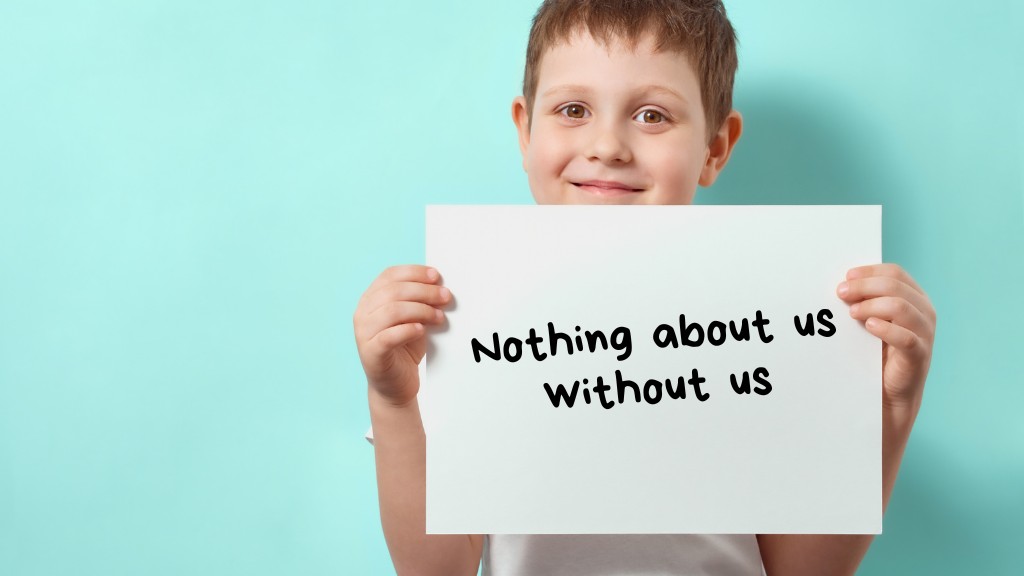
193	195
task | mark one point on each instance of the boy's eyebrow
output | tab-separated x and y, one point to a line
648	89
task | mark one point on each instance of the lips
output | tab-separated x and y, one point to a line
606	187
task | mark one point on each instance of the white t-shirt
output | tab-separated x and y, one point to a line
619	554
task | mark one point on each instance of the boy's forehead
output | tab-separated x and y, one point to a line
582	60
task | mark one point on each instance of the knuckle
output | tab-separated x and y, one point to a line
911	341
902	306
386	338
371	350
392	310
392	291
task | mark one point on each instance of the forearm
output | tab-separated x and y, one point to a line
827	554
400	451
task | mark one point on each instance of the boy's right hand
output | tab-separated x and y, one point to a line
389	327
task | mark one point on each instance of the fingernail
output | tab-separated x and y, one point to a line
843	288
445	294
439	314
432	274
853	309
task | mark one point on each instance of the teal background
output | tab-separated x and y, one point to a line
193	196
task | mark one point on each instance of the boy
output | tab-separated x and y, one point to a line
624	102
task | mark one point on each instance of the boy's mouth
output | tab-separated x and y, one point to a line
606	187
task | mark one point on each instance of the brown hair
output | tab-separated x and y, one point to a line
697	28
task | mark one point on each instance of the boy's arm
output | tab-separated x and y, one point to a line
390	329
894	308
398	443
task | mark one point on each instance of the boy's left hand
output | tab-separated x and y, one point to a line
894	308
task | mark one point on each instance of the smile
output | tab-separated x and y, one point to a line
606	187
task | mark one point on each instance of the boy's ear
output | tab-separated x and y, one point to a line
521	117
720	148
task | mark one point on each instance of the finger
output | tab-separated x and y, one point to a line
406	273
395	313
885	269
402	273
896	336
895	310
406	292
393	337
875	286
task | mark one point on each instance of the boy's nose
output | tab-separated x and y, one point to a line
608	146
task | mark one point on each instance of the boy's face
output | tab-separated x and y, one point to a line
615	126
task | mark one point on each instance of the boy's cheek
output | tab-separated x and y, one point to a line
677	173
545	165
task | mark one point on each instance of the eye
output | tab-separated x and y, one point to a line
649	116
575	111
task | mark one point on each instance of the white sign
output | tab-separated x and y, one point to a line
652	369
